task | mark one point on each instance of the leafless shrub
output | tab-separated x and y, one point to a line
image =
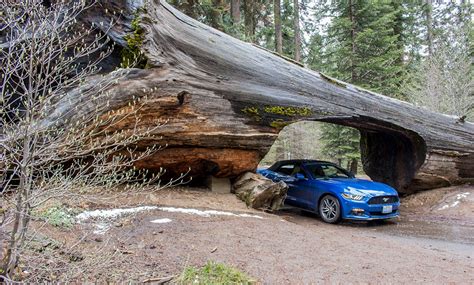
45	58
444	82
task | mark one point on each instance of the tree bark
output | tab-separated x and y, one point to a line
249	19
296	23
278	34
237	96
235	11
353	20
429	26
353	166
398	30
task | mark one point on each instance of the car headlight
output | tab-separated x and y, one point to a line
352	196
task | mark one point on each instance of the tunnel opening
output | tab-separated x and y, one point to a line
319	141
370	149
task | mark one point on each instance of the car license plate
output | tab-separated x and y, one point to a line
387	209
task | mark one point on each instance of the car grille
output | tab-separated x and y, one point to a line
383	200
379	213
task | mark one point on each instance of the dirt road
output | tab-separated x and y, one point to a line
286	248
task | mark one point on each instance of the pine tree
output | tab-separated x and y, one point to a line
361	45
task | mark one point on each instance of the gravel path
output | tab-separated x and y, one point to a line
287	248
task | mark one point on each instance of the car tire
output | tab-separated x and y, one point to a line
330	209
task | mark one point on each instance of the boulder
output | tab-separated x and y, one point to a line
260	192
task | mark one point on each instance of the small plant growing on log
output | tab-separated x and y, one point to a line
252	112
280	124
288	111
131	55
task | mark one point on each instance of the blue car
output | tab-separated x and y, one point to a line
333	192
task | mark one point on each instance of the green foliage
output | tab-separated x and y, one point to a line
340	143
256	113
288	111
253	112
250	111
57	216
213	273
363	47
279	124
132	55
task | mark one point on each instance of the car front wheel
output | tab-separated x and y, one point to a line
330	209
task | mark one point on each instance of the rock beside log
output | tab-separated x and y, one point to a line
260	192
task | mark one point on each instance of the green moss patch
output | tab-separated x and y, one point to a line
288	111
131	54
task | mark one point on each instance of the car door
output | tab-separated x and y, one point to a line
318	183
298	194
306	189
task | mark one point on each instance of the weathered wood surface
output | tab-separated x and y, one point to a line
226	100
260	192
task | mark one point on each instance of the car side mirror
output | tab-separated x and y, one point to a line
300	176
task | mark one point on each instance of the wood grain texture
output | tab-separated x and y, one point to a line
225	101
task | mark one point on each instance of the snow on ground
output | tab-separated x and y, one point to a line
206	213
111	213
458	199
104	216
115	213
161	221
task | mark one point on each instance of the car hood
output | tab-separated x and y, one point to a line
360	186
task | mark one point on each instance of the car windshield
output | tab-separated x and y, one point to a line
320	170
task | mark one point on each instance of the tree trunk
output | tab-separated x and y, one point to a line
235	11
278	35
216	18
353	166
296	23
429	26
353	40
398	30
225	100
249	20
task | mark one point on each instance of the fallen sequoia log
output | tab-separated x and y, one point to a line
226	100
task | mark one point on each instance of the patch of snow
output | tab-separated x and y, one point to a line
443	208
161	221
103	215
111	214
459	197
206	213
462	195
249	216
455	204
101	228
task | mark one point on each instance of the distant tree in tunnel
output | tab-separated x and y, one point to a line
342	145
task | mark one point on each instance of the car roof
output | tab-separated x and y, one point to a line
299	161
